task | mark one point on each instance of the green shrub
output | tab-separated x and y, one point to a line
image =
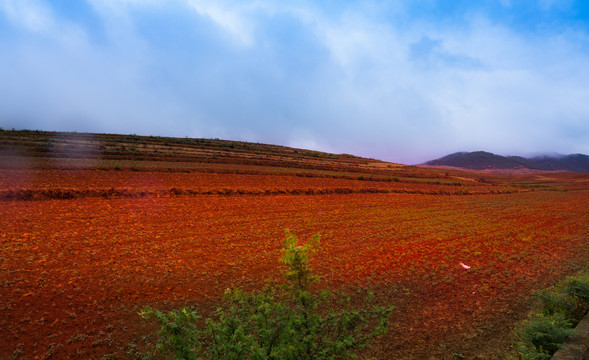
578	286
555	302
288	322
542	335
560	309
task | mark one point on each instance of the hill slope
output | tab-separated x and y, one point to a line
174	152
481	160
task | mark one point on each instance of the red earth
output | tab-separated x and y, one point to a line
75	272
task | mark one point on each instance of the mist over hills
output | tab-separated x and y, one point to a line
482	160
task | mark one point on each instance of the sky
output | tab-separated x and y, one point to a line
400	81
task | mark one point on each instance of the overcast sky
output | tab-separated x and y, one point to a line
402	81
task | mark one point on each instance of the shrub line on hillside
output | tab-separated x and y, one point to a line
47	194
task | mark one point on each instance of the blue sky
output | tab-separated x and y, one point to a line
402	81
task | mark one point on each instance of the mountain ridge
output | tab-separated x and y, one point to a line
482	160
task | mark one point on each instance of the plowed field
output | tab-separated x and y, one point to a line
50	183
74	272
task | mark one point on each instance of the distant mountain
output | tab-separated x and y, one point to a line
575	163
482	160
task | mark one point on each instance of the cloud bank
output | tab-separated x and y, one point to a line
399	82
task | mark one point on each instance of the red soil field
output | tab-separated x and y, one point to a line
74	273
97	226
18	184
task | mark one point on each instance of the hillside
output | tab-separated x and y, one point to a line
33	149
481	160
32	164
113	147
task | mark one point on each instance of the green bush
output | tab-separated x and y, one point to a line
556	302
289	322
560	310
578	286
542	335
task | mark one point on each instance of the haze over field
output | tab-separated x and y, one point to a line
405	82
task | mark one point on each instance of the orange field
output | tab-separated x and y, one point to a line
75	272
78	183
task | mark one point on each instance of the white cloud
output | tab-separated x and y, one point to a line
30	14
233	19
369	86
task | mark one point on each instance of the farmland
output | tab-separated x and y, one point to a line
94	227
